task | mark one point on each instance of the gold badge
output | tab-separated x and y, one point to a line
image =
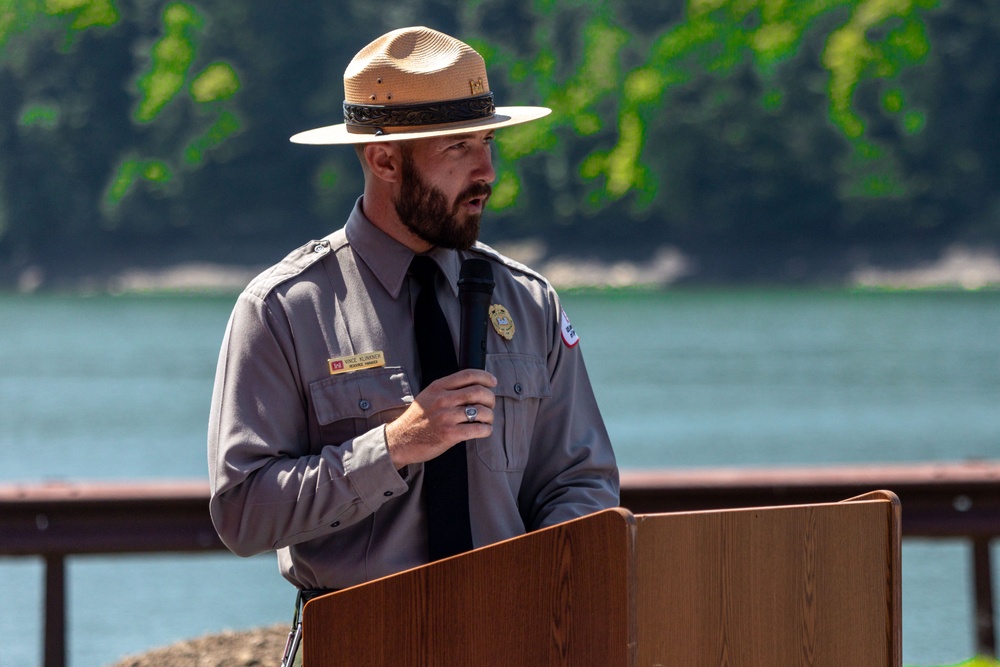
356	362
502	321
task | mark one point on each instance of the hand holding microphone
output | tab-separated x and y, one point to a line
459	406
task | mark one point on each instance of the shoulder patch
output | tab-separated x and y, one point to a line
568	332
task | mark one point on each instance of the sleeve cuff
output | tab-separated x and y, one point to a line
369	468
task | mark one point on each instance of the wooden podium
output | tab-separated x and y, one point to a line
813	585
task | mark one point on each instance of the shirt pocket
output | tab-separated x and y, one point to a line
348	405
522	382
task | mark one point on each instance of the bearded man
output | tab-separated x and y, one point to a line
332	418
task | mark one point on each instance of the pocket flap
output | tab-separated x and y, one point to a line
519	376
360	394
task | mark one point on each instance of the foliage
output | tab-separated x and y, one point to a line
134	126
980	662
764	122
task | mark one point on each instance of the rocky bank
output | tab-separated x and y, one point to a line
260	647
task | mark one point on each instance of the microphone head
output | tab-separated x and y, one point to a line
476	275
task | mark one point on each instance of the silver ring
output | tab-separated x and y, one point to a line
471	412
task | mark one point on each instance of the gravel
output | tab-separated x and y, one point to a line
260	647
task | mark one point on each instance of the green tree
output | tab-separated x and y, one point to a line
156	130
750	117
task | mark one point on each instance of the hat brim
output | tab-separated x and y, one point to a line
338	134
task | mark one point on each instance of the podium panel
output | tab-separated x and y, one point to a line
560	596
810	585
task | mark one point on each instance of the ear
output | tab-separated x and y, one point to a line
384	160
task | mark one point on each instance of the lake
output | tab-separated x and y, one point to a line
118	387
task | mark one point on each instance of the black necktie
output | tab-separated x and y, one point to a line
446	478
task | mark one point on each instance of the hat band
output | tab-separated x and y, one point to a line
370	118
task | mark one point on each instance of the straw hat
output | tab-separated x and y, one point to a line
416	82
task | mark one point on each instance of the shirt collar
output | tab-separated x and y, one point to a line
388	259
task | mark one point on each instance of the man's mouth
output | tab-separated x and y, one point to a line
478	203
476	198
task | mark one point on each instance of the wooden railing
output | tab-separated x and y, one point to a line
939	500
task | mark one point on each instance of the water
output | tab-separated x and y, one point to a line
109	388
795	377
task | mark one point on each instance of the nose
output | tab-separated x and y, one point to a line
484	166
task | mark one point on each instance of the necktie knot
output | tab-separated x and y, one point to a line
424	270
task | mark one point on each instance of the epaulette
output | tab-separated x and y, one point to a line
295	263
487	251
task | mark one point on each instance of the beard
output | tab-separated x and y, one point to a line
425	211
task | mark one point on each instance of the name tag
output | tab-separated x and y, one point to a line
356	363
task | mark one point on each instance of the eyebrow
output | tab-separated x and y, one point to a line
466	135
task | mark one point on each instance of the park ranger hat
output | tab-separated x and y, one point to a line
412	83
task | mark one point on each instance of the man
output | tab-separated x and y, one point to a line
326	419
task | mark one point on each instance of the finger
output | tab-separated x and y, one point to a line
446	404
483	415
474	396
476	431
470	377
469	413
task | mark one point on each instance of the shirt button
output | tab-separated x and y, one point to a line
334	524
387	494
364	404
320	248
517	388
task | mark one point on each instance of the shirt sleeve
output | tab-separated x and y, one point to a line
571	469
268	489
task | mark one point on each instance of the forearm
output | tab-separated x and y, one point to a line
270	502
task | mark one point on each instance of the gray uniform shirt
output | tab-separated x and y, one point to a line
297	454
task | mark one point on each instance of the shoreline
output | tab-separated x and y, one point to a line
955	267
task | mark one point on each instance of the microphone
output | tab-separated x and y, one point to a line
475	291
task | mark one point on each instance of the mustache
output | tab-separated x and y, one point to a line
484	190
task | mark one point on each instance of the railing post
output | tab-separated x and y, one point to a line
55	610
986	643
